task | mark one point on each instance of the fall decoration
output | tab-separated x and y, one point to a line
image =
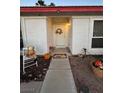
30	52
46	56
98	63
59	31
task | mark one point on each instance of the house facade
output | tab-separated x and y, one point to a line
75	27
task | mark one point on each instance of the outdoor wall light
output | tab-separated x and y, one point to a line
68	24
58	11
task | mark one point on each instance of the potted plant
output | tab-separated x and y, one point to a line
97	67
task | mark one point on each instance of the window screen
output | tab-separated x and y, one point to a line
97	42
98	28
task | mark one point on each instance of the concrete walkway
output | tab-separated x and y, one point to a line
31	87
59	78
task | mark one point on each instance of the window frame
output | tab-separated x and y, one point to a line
92	20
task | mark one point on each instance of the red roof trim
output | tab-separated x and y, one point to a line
62	9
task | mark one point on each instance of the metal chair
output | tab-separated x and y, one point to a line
28	61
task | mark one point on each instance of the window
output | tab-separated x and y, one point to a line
98	28
97	42
97	39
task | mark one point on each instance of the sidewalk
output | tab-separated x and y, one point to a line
59	78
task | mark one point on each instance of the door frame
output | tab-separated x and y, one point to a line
54	37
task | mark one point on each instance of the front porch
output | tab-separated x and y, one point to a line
59	32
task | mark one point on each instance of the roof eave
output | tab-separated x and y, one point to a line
62	9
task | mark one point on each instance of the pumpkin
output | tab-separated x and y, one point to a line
46	56
30	52
98	63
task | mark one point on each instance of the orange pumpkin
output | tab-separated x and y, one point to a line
46	56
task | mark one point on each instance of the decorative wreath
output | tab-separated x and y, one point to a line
59	31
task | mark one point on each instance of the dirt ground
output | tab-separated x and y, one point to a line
32	81
85	79
34	73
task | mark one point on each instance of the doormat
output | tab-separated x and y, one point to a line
59	56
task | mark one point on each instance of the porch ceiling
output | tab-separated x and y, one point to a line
60	20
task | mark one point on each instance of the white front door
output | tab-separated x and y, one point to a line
59	36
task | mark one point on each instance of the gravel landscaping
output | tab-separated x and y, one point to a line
85	79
